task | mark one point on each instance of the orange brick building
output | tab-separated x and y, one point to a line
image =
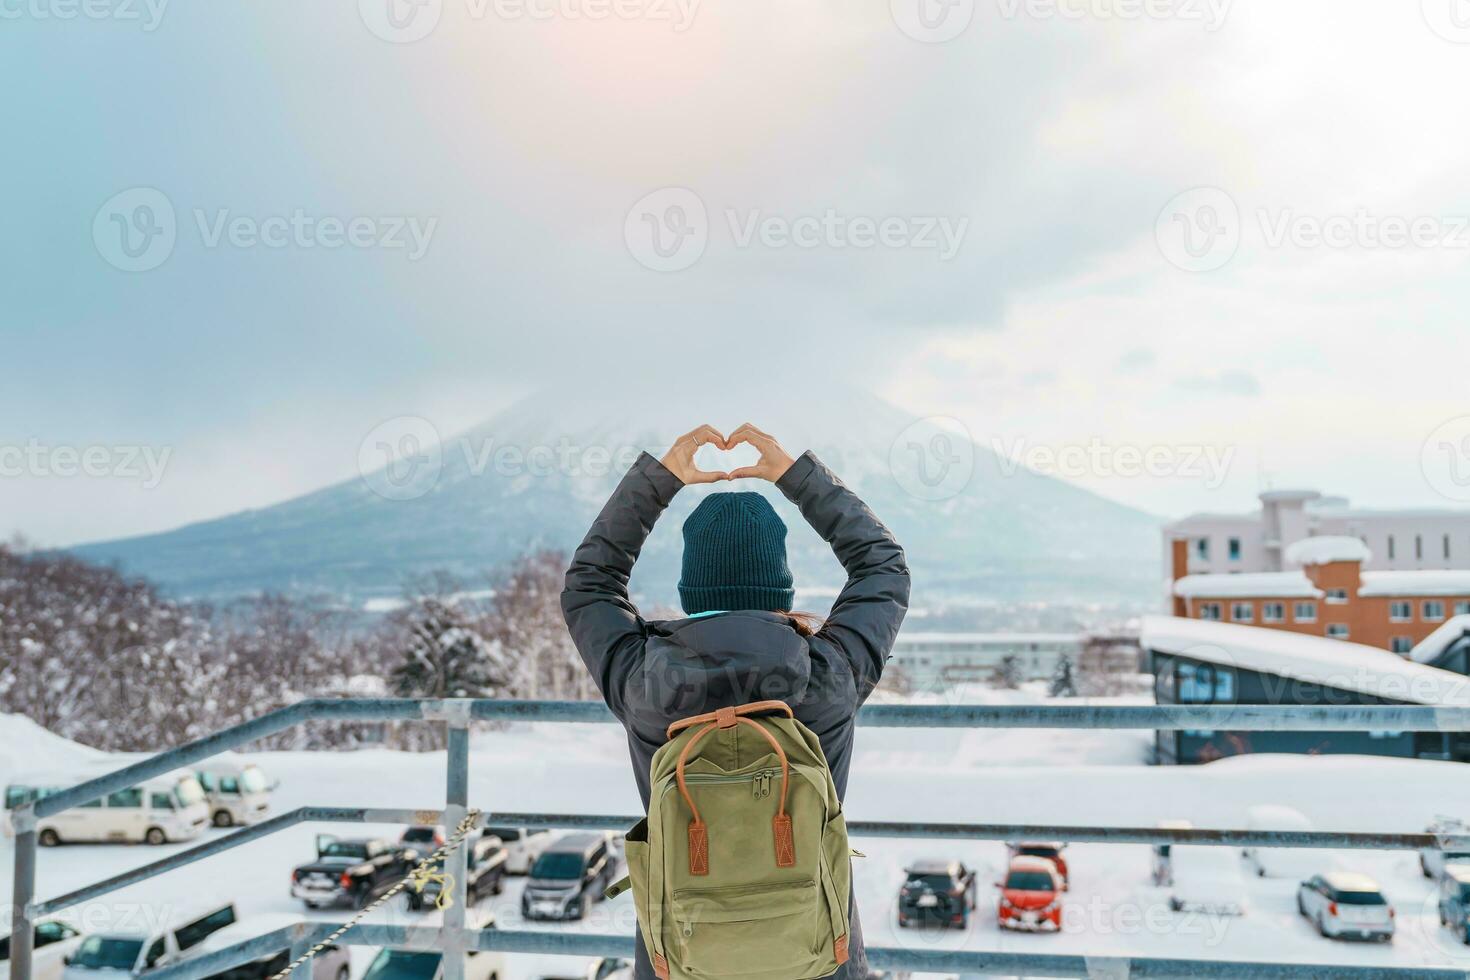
1329	595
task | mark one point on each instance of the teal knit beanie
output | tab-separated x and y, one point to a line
735	556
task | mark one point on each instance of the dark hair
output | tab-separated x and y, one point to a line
805	623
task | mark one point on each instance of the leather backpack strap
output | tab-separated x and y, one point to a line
725	717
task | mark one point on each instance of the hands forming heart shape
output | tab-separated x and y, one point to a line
774	461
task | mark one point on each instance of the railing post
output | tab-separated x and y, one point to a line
456	803
22	931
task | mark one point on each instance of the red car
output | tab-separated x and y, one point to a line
1051	850
1031	896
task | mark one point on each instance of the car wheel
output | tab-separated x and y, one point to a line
155	836
499	885
344	973
1321	925
49	838
1424	868
1466	936
584	907
1301	909
222	818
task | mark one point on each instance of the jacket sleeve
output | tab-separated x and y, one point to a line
605	625
868	612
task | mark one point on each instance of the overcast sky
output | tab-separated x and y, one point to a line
1087	228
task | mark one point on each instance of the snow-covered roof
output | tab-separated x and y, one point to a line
1327	548
1452	581
1253	585
1314	659
1429	649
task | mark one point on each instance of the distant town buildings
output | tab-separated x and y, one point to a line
1257	541
1313	564
1330	593
934	661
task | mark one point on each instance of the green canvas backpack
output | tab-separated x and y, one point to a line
741	868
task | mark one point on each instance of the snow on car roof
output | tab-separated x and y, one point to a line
1277	816
1315	659
1350	881
1327	548
1028	862
1428	649
1254	585
1441	581
931	866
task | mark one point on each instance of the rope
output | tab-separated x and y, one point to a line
421	875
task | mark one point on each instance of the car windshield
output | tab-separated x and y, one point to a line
558	864
940	883
419	835
252	780
101	953
1029	881
506	834
344	849
402	964
188	791
1360	898
1039	850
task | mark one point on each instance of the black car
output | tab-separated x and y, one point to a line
568	877
485	874
937	892
351	872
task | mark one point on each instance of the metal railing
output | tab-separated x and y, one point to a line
454	938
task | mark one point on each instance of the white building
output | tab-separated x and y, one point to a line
1258	541
933	661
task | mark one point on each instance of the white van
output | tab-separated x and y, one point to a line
108	952
1206	879
238	791
1279	862
157	811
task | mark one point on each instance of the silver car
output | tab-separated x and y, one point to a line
1344	904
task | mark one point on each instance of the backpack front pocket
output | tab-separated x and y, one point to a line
770	929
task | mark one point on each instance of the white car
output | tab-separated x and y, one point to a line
332	963
55	941
1206	879
1344	903
109	954
523	846
1279	862
1433	860
428	964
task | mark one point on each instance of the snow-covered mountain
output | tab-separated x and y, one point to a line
535	475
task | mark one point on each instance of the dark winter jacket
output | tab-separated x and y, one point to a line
652	673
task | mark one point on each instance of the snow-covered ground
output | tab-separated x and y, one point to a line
898	774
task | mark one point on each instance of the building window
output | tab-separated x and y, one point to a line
1382	733
1204	683
1337	631
1243	612
1210	611
1433	610
1273	612
1392	549
1202	549
1235	549
1400	611
1462	609
1337	597
1306	612
1402	644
